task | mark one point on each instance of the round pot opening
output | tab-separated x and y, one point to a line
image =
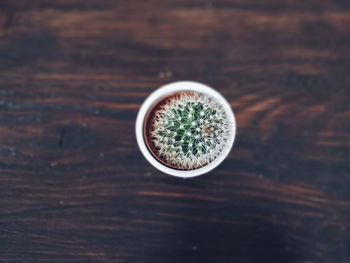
185	129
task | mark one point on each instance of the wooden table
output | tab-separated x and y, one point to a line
75	188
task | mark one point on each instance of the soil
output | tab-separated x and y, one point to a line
148	128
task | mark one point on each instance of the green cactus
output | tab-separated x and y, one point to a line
189	130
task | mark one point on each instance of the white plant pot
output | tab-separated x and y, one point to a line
163	92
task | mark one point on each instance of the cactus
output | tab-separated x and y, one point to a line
189	130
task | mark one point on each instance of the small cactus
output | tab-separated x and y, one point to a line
189	130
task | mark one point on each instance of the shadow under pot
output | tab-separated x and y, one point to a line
185	129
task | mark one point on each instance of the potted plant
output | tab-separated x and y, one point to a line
185	129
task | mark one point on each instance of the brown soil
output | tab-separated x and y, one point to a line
148	128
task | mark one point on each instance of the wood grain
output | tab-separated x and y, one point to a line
75	188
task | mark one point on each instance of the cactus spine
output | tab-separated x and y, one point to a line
189	130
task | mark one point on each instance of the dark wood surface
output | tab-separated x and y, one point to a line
75	188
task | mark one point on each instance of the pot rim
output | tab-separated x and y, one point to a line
169	89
